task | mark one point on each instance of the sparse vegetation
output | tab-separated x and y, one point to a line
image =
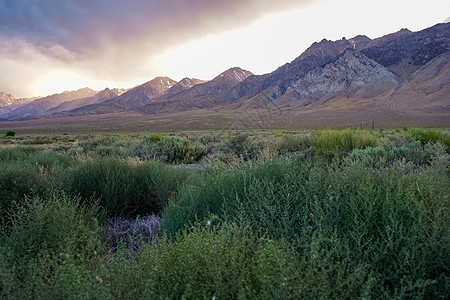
322	214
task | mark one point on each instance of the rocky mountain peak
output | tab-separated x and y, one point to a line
6	99
190	82
183	85
359	42
235	74
160	83
119	91
326	48
389	37
107	94
149	90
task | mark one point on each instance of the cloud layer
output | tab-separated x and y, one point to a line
113	39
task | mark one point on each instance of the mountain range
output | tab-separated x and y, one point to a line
399	79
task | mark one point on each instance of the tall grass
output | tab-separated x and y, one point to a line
27	171
342	141
428	136
50	251
172	149
124	189
386	225
328	215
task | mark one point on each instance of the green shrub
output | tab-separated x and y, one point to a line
17	180
404	147
220	161
428	136
252	224
293	143
356	223
109	151
91	143
436	155
37	142
214	191
18	153
206	262
51	160
24	171
151	138
10	133
242	146
180	150
124	189
51	250
173	149
375	154
206	139
342	142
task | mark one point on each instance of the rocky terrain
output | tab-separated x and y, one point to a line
352	74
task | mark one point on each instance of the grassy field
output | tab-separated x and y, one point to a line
234	117
203	214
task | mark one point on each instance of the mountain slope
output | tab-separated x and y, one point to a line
182	85
276	83
428	90
352	74
205	95
9	103
106	94
399	77
132	99
217	86
415	48
41	105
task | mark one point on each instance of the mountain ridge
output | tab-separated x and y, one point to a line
353	74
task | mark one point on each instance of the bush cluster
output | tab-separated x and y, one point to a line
328	215
121	188
124	189
172	149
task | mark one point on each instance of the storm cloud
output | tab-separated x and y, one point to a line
114	38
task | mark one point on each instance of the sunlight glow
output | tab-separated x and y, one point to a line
279	38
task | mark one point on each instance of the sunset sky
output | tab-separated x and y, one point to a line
49	46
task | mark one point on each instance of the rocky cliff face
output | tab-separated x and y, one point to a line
352	73
277	82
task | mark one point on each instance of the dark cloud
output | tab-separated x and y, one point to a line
83	26
111	37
